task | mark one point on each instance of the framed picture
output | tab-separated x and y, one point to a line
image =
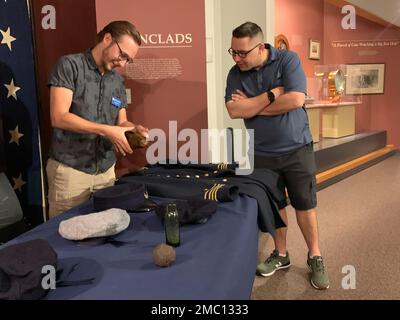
367	78
314	50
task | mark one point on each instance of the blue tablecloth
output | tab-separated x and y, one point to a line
215	260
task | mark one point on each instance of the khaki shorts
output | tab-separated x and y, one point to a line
69	187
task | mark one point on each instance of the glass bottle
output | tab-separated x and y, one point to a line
171	225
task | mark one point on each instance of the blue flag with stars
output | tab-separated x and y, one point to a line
19	108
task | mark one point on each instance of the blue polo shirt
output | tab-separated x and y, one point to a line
280	134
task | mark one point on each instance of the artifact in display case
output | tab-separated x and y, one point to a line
328	85
329	104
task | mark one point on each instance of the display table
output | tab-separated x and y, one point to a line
338	119
216	260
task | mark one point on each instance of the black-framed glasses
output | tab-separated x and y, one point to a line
122	55
241	54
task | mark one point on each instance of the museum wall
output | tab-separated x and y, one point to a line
369	42
168	77
300	21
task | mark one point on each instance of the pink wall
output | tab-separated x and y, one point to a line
156	101
319	20
300	21
378	111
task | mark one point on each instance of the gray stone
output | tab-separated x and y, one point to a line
99	224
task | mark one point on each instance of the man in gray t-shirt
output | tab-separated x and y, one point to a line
88	115
266	87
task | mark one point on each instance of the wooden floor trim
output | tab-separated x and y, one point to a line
333	172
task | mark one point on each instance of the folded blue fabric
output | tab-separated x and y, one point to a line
127	196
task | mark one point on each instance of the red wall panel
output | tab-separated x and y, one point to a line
75	31
172	60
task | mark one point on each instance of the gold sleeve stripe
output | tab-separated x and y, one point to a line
212	193
222	166
208	192
216	191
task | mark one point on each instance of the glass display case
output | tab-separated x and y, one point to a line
328	105
328	85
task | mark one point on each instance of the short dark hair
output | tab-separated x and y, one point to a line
247	29
118	29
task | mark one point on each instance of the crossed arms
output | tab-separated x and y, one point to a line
243	107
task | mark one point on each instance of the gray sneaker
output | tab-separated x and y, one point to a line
319	277
273	263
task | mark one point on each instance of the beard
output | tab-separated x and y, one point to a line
243	67
106	66
106	63
249	65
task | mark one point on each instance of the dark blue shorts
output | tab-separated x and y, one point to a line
296	174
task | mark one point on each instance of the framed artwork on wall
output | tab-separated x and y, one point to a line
367	78
314	50
281	42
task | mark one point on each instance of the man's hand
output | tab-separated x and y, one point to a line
123	122
239	95
137	139
242	106
143	131
287	102
117	136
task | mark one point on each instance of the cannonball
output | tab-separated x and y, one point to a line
164	255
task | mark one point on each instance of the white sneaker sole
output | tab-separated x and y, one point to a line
271	273
313	284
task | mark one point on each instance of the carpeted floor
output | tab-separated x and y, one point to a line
359	226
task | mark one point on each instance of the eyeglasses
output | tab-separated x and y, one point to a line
241	54
122	55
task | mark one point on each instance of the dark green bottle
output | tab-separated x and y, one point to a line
171	225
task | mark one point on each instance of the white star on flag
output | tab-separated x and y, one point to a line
18	183
7	38
12	89
15	135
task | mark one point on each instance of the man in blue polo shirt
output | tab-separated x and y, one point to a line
88	114
266	88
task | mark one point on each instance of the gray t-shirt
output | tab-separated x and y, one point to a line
280	134
97	98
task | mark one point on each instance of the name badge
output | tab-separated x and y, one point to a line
116	102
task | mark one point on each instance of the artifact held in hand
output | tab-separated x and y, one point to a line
135	139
